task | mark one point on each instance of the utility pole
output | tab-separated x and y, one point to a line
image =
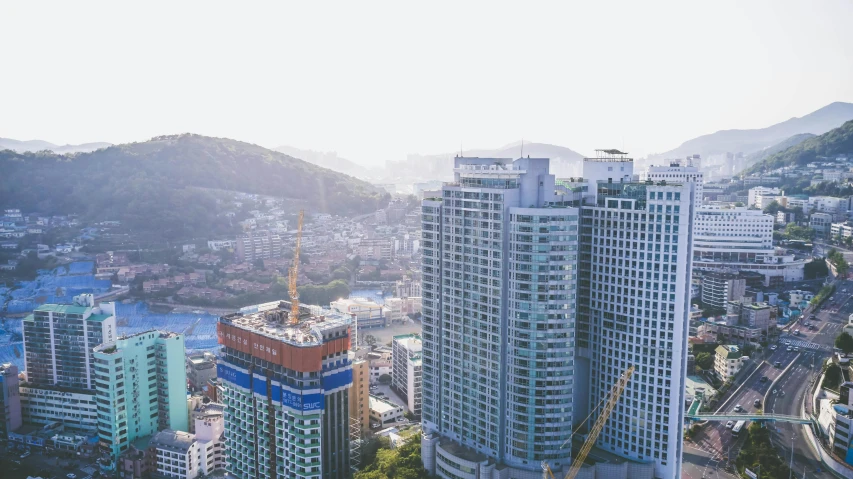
791	467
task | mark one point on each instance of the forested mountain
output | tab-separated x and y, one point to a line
832	143
781	146
168	184
750	141
40	145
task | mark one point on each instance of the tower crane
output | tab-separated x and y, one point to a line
612	399
294	272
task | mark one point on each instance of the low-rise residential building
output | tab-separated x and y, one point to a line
367	313
379	368
384	412
406	369
201	367
728	360
841	230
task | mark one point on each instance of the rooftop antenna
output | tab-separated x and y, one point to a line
522	148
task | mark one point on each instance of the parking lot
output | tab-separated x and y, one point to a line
16	464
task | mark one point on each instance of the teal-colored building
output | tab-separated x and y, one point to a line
141	384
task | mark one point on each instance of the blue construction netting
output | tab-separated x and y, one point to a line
59	285
199	328
12	353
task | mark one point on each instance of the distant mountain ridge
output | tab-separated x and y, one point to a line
41	145
751	141
171	186
329	160
832	143
757	156
564	161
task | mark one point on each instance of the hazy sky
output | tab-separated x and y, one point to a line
374	81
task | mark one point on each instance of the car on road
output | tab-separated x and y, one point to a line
71	475
763	379
25	455
796	332
796	349
787	342
773	347
790	349
730	424
778	364
738	408
757	403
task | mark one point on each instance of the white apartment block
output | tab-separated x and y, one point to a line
754	193
499	272
184	455
681	171
406	374
843	230
634	301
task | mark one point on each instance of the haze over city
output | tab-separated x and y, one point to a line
379	80
450	240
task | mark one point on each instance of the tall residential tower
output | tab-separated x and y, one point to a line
538	294
499	273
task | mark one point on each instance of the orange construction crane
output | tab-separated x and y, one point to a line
615	393
294	272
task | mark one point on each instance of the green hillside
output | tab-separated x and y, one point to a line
166	185
834	142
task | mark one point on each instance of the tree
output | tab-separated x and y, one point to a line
258	263
385	379
833	376
705	361
773	208
844	342
370	340
401	463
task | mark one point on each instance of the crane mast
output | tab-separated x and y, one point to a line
615	393
294	272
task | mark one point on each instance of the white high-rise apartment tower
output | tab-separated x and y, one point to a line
499	282
528	321
681	171
634	292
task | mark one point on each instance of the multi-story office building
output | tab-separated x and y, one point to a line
286	393
76	409
522	334
633	308
681	171
499	279
141	388
406	372
732	239
366	312
258	245
758	191
720	288
10	400
821	223
58	341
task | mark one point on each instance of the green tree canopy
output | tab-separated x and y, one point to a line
705	361
844	342
401	463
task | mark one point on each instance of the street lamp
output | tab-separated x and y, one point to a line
791	467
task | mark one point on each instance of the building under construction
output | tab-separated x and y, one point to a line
286	392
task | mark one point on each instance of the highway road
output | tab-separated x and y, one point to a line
705	456
831	320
